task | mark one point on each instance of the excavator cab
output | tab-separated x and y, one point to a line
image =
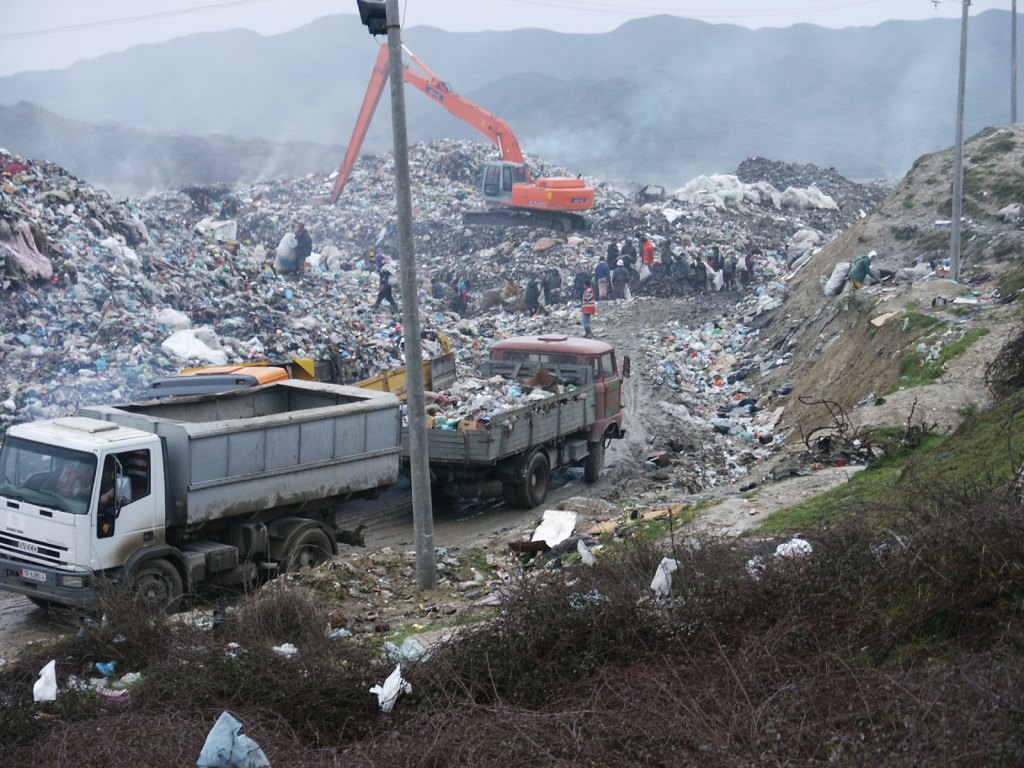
498	178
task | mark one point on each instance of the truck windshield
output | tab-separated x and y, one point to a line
47	475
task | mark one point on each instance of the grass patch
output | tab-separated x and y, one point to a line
916	369
1011	281
915	322
863	488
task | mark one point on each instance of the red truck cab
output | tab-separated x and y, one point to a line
598	355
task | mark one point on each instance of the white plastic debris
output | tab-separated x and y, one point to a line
172	318
227	747
795	547
45	688
389	691
557	525
585	554
196	343
287	650
661	585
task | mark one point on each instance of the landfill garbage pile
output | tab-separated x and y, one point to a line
141	289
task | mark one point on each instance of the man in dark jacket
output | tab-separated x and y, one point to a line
303	247
552	286
387	276
532	299
613	254
620	279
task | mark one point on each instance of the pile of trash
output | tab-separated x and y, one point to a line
141	289
471	402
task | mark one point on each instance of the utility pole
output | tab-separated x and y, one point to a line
416	410
1013	65
958	153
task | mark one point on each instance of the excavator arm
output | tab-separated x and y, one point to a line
373	92
489	124
506	184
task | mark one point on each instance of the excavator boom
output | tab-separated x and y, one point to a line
507	183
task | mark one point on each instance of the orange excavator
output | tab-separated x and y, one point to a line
514	195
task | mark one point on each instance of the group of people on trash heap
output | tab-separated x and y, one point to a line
618	274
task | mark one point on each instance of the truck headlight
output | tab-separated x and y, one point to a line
72	581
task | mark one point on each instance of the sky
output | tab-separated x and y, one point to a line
53	34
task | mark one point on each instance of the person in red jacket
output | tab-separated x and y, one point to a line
589	306
648	253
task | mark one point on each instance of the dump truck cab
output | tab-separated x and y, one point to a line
553	350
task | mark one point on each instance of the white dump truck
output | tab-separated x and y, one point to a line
168	494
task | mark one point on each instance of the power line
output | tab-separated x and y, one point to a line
127	19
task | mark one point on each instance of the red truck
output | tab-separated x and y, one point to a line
513	452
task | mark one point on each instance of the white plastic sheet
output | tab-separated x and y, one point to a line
227	747
556	526
391	689
45	688
661	584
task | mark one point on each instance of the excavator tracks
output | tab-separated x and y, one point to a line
558	220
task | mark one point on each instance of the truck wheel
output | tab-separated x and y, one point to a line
158	583
535	484
309	548
594	461
512	496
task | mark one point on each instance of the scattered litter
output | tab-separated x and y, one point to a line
389	691
45	688
556	526
287	650
585	554
661	585
410	650
227	747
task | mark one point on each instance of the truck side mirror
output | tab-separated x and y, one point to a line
625	367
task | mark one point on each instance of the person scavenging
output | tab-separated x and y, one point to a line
588	306
303	247
387	280
532	298
861	270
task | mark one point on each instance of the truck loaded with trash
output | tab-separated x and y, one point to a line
228	487
542	403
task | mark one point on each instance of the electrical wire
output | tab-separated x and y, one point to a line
128	19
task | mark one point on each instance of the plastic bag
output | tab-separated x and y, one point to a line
645	273
388	692
834	284
392	279
45	688
718	280
285	255
627	294
227	747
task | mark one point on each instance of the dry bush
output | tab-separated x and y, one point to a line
887	646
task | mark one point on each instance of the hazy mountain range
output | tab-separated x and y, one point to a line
657	100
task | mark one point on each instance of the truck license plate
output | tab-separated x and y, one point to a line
28	573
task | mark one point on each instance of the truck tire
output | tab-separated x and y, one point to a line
513	497
158	583
534	488
309	548
594	461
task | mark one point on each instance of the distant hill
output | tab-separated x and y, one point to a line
660	99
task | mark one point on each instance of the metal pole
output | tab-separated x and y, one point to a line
958	157
1013	66
419	463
